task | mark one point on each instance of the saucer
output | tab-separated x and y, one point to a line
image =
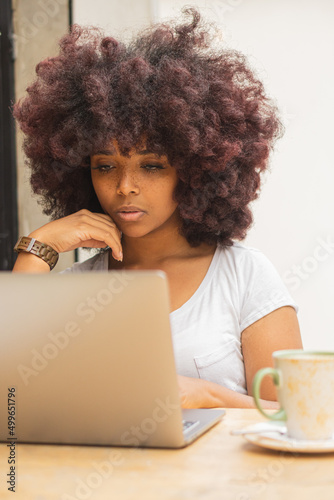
273	435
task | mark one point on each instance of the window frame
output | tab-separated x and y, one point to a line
8	173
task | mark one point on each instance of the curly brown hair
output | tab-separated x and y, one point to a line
202	107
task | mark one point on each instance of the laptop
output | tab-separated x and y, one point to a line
88	359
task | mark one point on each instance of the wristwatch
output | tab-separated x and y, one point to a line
41	250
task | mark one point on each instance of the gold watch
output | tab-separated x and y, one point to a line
41	250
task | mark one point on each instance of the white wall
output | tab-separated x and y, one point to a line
118	18
290	43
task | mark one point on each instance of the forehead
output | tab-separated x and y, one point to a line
113	149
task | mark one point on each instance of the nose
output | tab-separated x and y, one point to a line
126	183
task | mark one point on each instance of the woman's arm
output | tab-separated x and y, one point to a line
278	330
81	229
199	393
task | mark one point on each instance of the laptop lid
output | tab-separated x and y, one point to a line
88	359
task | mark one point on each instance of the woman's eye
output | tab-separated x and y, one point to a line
103	168
108	168
153	168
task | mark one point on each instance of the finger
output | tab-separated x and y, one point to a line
99	219
105	235
93	244
97	216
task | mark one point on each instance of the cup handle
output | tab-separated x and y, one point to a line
280	414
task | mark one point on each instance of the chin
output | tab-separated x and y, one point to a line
133	232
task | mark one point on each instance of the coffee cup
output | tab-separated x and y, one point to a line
305	391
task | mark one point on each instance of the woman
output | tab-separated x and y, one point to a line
153	152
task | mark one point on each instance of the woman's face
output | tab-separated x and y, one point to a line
135	190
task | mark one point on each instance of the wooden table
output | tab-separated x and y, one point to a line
217	466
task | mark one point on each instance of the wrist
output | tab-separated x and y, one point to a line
43	251
42	237
214	394
27	262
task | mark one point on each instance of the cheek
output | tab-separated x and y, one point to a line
95	183
173	202
163	196
167	188
102	189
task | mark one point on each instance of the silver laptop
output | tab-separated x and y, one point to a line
88	359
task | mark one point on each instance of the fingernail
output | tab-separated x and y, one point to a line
120	256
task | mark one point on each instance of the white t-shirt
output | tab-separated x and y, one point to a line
240	287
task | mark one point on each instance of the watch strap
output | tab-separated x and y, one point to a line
41	250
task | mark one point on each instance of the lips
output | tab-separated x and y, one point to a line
129	208
130	213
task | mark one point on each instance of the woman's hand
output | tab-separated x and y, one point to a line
81	229
192	391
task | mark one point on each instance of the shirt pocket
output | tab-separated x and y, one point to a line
222	365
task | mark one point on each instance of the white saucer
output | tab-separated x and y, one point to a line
272	437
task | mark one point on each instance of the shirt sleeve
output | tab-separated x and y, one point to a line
261	288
